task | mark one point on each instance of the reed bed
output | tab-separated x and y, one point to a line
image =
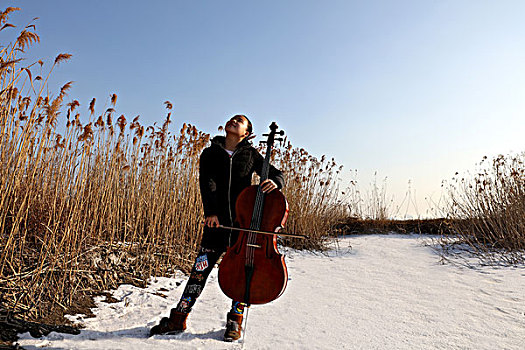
107	200
371	203
488	209
312	188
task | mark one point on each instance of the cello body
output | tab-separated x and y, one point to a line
253	271
269	276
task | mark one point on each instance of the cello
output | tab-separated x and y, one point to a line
252	270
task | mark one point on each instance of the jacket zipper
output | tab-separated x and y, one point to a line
229	194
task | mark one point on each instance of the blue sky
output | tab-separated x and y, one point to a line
415	90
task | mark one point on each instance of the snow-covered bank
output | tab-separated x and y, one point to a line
387	292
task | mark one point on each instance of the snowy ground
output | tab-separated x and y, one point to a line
387	292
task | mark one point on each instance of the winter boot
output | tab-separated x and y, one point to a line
233	327
176	323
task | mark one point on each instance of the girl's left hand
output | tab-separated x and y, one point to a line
268	186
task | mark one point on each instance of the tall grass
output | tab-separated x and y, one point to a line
369	203
489	208
106	200
313	194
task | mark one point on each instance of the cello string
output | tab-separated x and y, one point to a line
258	208
259	203
257	218
249	250
257	223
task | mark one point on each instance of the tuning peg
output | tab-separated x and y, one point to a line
281	132
265	134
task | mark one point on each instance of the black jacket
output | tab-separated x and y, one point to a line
222	178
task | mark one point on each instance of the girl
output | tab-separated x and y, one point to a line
226	168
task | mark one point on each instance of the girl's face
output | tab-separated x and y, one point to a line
237	125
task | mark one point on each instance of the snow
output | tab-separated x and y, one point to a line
372	292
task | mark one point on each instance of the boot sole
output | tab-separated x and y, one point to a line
230	340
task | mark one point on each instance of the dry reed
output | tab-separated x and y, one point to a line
488	209
369	203
108	201
313	193
83	211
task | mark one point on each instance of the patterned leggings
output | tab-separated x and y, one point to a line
204	263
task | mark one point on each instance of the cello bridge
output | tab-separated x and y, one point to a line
253	245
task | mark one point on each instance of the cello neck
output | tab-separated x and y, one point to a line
259	200
266	164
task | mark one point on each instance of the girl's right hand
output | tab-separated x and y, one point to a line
212	221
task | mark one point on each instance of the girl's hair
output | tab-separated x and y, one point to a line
250	127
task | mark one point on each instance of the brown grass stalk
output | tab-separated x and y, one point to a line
489	208
104	203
